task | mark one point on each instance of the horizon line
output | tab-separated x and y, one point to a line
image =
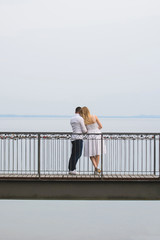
68	116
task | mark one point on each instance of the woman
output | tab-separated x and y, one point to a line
92	146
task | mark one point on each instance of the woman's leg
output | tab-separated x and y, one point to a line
97	158
93	159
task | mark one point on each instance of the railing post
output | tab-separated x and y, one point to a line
154	154
39	150
159	154
101	155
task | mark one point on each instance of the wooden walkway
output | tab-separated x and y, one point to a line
79	177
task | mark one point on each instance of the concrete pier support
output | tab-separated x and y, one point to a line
80	189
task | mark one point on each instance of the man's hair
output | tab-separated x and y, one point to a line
78	109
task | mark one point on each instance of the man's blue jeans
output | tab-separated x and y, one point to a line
77	146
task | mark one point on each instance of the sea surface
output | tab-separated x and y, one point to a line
63	124
79	220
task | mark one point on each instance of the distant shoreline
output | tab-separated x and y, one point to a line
69	116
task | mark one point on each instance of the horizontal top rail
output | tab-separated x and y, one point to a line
69	135
105	133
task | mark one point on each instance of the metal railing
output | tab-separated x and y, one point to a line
124	155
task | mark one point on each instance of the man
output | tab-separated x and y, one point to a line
78	126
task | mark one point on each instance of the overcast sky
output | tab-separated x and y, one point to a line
55	55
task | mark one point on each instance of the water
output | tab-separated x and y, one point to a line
63	124
80	220
113	220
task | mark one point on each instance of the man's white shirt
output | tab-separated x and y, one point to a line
78	126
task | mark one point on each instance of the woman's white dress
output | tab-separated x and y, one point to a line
92	145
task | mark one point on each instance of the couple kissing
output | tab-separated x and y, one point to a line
84	122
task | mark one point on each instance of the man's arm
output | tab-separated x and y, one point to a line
83	127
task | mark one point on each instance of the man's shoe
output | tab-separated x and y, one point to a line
73	172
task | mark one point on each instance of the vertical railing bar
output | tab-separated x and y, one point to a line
121	153
54	154
63	155
114	156
59	150
21	155
138	155
55	163
101	155
146	158
57	156
4	148
80	164
1	156
66	145
111	155
105	167
108	154
17	154
51	154
83	161
60	162
142	156
8	155
88	156
154	154
118	153
133	157
39	156
128	155
42	156
159	155
151	156
47	156
44	160
34	150
13	155
26	170
124	155
112	162
114	159
30	155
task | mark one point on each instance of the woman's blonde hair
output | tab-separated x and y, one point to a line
85	113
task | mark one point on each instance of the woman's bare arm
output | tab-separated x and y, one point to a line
98	122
